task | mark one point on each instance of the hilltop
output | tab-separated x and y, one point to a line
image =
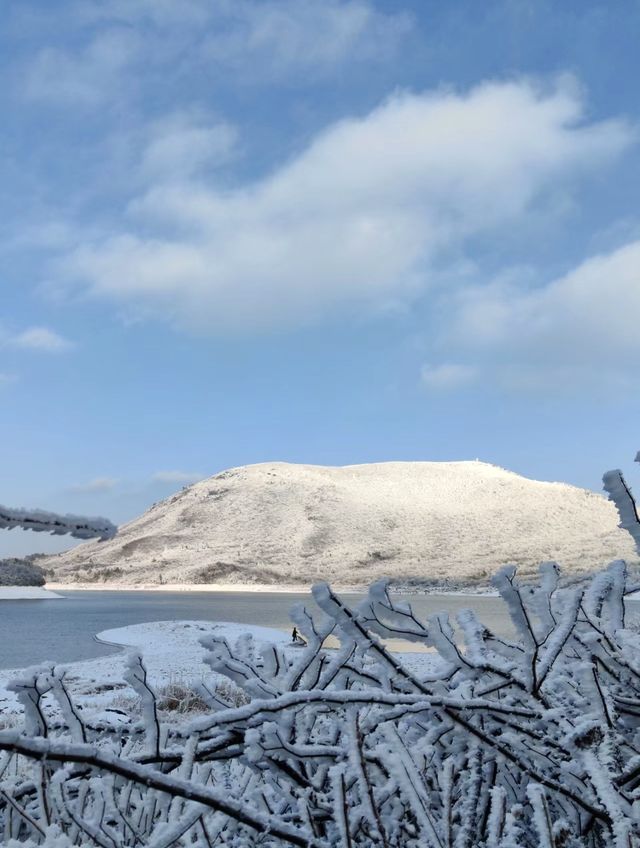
416	522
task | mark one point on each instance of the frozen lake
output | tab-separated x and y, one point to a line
37	631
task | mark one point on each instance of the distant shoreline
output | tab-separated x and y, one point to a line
186	587
258	588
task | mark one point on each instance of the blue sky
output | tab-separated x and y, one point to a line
323	231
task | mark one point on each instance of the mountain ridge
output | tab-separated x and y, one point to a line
415	522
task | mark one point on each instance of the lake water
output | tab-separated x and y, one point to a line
37	631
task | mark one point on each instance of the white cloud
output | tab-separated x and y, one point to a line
256	41
87	77
98	484
448	375
159	12
39	339
176	477
282	38
181	145
363	216
582	327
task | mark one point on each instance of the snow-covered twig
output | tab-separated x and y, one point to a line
57	525
619	492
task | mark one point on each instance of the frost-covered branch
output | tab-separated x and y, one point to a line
58	525
619	492
485	743
174	786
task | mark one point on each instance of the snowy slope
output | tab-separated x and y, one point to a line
281	523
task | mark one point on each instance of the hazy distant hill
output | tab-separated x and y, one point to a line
414	521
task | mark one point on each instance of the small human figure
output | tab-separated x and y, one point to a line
294	635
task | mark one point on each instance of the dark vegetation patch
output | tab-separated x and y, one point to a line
225	475
217	571
220	571
99	575
218	494
376	556
20	572
100	688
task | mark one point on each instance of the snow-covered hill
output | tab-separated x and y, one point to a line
279	523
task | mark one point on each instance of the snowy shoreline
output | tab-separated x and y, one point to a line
257	588
172	653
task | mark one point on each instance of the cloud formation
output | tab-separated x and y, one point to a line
599	300
448	375
183	145
579	328
37	339
176	477
263	41
87	77
98	484
254	42
364	216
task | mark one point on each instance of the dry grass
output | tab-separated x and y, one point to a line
182	699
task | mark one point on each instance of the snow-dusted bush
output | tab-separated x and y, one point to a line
530	742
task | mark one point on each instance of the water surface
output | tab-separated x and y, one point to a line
37	631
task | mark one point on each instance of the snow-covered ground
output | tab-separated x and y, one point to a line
23	593
279	524
172	653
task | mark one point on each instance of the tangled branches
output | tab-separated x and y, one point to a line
497	744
